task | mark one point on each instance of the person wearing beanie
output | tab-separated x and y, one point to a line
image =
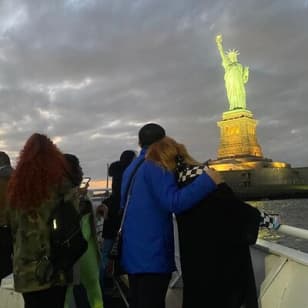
149	196
150	133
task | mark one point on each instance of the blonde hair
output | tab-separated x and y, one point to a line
165	152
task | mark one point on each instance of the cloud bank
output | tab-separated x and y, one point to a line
90	73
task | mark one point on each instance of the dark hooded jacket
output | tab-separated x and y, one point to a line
214	240
5	172
116	170
5	236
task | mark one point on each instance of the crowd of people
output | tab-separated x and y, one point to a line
148	190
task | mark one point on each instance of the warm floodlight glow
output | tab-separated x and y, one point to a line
278	164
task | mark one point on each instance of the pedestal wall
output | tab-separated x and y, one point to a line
238	135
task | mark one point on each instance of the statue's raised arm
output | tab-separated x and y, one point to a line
220	48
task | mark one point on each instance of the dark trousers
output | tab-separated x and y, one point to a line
50	298
6	250
148	290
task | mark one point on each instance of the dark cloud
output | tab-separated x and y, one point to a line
91	73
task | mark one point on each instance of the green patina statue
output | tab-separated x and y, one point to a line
235	76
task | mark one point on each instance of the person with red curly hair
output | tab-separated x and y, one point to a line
36	186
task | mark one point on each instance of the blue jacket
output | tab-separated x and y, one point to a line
147	234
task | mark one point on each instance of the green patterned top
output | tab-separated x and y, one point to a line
31	241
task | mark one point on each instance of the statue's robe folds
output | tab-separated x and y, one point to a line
234	82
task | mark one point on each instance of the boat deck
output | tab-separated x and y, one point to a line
174	298
281	276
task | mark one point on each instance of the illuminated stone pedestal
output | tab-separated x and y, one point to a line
239	148
238	135
245	170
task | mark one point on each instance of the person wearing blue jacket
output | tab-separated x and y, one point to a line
147	254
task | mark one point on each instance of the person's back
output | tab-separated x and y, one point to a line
226	227
90	261
148	243
112	217
37	185
5	236
5	173
214	237
32	242
116	170
88	264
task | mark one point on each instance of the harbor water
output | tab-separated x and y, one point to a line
293	212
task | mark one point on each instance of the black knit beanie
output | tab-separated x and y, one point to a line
150	133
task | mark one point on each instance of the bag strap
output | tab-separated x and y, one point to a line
128	192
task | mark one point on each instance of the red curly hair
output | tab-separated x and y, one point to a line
41	168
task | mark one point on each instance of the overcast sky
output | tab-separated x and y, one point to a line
90	73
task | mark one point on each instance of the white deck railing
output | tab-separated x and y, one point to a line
293	231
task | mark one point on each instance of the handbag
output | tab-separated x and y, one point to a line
115	251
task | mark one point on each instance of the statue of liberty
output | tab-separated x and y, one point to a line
235	76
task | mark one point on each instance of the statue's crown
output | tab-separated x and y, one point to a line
232	52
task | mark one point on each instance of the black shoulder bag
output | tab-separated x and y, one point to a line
66	239
67	243
115	251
